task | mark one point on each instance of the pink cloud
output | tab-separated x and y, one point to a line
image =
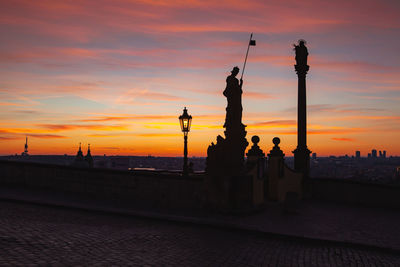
257	95
96	17
134	117
137	95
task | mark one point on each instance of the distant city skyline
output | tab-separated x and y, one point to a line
118	75
357	153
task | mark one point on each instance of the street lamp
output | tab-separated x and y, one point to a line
185	120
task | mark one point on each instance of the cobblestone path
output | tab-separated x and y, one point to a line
33	235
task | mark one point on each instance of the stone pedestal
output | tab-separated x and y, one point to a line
256	166
225	180
282	181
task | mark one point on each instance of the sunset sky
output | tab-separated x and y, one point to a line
117	74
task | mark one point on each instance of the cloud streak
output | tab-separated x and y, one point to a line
343	139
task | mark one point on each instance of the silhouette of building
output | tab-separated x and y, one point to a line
81	161
25	153
358	154
314	156
374	153
88	158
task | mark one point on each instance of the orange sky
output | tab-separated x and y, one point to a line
118	74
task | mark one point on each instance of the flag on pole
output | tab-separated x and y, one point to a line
251	43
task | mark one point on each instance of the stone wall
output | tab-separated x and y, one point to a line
345	191
140	188
169	190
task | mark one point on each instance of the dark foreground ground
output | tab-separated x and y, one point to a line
38	235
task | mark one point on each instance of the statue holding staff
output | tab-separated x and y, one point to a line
233	93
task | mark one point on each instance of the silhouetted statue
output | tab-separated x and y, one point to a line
225	159
233	93
301	53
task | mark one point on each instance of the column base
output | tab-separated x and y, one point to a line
302	160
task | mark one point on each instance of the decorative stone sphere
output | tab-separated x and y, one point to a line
276	141
255	139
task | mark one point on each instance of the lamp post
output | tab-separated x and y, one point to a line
185	120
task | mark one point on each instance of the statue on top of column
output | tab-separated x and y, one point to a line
301	53
233	93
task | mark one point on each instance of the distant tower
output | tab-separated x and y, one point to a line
358	154
79	160
88	157
25	153
301	153
374	153
79	155
384	154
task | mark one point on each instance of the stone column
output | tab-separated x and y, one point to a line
301	153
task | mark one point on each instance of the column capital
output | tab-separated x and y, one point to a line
301	69
302	150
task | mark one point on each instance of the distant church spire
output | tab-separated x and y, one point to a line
89	158
79	155
25	153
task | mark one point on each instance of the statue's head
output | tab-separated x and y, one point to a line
235	71
302	42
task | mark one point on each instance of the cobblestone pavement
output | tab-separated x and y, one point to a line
37	235
320	220
324	220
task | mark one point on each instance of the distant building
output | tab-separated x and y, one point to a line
358	154
369	155
25	153
374	153
81	161
384	154
88	157
314	156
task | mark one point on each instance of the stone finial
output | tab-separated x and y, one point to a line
255	150
276	150
276	141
